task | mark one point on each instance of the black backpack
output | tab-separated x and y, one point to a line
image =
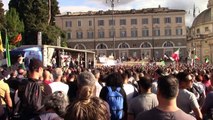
31	99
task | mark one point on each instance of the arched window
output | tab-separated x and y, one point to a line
123	45
101	46
80	46
168	44
146	45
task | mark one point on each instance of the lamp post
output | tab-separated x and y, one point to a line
153	41
112	2
194	11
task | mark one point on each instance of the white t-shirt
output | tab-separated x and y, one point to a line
129	90
98	88
59	86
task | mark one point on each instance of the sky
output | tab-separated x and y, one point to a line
96	5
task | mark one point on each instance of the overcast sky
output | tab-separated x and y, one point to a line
94	5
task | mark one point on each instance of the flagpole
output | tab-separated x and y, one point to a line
7	45
194	57
1	48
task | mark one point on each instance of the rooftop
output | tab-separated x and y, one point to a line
132	11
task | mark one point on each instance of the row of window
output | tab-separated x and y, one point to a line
126	45
167	20
123	33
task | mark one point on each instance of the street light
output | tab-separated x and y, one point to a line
194	11
112	2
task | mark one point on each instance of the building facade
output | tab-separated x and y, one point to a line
146	33
200	35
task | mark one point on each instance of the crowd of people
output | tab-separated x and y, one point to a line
150	92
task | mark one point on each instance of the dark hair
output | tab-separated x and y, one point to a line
145	82
124	76
129	73
35	64
159	71
168	86
182	76
199	78
114	80
72	75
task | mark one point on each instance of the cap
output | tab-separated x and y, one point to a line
86	78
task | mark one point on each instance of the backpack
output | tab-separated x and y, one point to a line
31	101
115	101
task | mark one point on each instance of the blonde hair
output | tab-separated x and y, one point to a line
87	107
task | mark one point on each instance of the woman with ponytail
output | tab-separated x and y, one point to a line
87	106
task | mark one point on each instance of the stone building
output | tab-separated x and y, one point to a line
145	33
200	35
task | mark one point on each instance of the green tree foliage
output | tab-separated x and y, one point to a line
2	22
51	33
34	14
13	25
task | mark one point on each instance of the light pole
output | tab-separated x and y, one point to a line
112	2
194	11
153	41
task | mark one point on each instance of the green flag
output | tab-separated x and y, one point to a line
207	60
7	51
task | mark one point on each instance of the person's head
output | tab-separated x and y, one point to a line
168	87
86	85
114	79
36	67
185	80
94	109
57	102
86	107
47	75
71	77
125	77
57	74
159	72
129	73
96	74
14	74
21	71
199	78
145	83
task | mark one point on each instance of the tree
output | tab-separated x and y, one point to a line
2	22
54	11
35	15
13	24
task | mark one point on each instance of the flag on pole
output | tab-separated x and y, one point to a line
17	39
1	44
165	56
207	60
196	57
7	51
175	55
